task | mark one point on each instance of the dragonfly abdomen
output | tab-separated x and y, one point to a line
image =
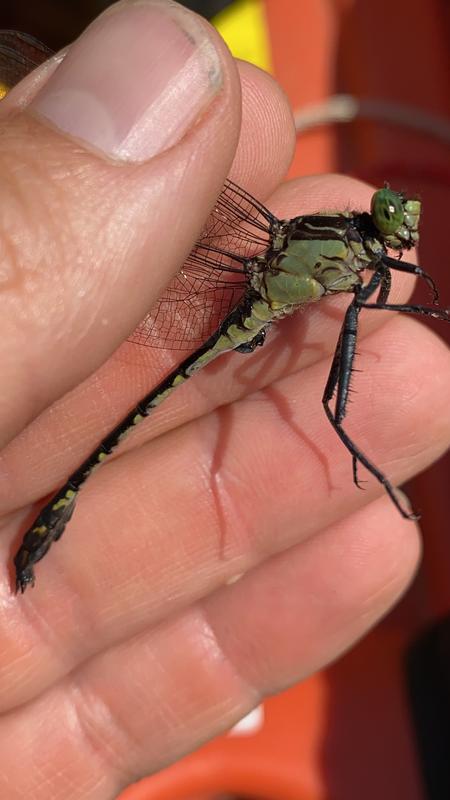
242	330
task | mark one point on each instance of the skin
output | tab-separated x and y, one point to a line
137	638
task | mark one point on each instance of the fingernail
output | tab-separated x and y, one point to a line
135	82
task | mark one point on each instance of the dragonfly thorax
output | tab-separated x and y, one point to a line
306	269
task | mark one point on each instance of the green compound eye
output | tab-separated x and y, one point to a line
387	211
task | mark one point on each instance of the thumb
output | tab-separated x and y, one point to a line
106	180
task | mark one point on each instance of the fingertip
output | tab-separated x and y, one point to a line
267	139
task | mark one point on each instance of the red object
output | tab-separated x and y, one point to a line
347	733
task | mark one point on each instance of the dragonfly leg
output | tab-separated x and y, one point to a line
438	313
339	382
332	382
359	457
344	356
412	269
257	341
385	286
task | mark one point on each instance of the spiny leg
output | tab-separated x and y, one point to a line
385	282
427	311
385	285
412	269
339	382
340	375
382	280
382	298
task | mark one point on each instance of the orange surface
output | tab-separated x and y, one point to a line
359	48
346	733
315	744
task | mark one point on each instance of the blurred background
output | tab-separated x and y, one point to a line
374	104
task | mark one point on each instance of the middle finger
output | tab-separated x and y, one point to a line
175	520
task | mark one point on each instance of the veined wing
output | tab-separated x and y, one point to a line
19	55
213	277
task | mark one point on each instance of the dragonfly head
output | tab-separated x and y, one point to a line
396	218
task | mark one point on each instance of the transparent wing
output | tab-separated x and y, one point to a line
19	55
214	277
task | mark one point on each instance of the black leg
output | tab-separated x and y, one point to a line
249	347
339	382
412	269
441	313
358	456
385	287
344	356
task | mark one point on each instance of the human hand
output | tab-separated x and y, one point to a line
136	645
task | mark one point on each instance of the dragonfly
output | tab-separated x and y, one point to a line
248	270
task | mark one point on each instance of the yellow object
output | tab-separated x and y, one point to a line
244	28
3	90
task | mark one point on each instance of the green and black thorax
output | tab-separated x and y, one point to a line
320	254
